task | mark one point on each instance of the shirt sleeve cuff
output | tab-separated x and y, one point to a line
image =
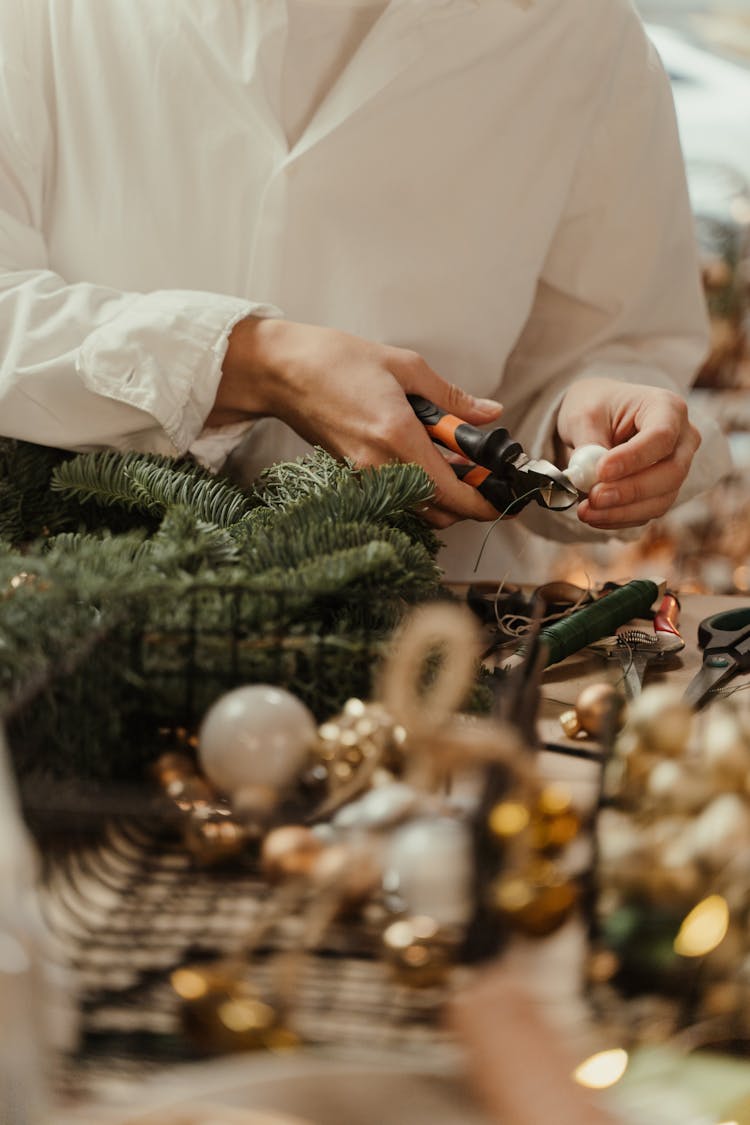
163	354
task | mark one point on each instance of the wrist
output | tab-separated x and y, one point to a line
250	371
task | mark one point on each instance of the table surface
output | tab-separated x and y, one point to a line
563	682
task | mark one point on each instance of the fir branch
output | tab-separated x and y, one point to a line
103	478
150	484
213	499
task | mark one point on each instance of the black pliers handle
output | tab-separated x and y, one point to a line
500	470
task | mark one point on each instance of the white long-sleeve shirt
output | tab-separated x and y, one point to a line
494	185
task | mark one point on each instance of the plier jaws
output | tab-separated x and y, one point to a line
497	465
555	490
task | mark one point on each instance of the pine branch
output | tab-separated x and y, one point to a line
150	484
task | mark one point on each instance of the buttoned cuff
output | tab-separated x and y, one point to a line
163	354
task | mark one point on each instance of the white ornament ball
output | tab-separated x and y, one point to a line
721	831
583	465
257	735
620	841
675	787
429	862
723	746
661	719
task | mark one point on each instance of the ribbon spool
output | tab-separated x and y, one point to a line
439	739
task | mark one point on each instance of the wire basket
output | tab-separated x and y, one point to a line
100	710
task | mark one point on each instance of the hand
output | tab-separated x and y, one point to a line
651	442
507	1039
349	396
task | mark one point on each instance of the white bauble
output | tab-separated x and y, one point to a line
583	465
661	719
257	735
429	862
675	787
721	831
620	841
722	747
387	804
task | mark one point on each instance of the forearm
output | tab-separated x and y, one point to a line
86	366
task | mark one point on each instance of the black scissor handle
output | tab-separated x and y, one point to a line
727	632
492	449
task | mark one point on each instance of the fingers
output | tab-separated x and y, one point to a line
347	395
405	439
652	446
453	499
662	428
417	377
630	501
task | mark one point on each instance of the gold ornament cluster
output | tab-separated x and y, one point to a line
385	837
673	872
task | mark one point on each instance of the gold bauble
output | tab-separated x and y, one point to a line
289	852
536	901
599	707
213	837
352	872
172	766
554	823
190	793
362	732
221	1012
419	954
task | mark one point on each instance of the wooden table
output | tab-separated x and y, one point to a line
563	682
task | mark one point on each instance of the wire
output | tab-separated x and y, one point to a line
491	528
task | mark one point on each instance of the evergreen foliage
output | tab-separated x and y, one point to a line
134	589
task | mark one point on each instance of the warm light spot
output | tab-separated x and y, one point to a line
740	209
704	928
189	984
602	1070
554	800
246	1015
399	935
508	818
741	578
423	926
513	894
417	956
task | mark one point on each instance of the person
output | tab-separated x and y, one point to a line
246	225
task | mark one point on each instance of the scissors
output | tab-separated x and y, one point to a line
725	640
499	468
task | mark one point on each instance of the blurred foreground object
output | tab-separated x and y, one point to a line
519	1068
23	1087
672	953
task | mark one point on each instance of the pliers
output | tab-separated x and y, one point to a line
500	469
